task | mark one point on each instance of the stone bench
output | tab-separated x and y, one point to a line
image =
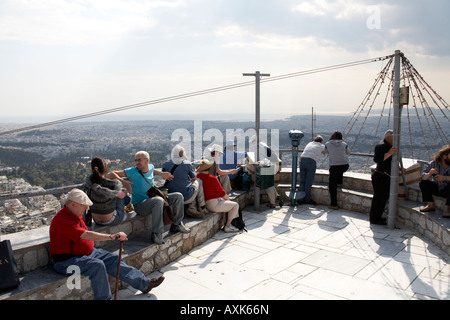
40	282
351	200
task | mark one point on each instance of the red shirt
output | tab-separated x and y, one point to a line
65	232
211	186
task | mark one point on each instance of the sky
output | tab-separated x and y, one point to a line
64	58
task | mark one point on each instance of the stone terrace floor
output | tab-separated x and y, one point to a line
306	253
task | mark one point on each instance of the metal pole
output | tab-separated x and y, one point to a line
393	193
257	76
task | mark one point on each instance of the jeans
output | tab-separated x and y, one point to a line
97	266
119	215
155	205
307	174
336	175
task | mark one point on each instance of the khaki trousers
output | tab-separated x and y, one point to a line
222	205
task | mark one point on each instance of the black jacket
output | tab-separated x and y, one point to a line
380	150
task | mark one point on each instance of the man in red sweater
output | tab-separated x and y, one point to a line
72	244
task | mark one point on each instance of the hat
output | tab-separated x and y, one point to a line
178	154
216	148
204	165
78	196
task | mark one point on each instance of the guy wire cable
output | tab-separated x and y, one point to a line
193	94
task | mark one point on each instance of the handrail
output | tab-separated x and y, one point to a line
11	196
58	190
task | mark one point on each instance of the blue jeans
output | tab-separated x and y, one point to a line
120	212
307	174
97	266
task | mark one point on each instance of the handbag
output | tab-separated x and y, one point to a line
9	277
168	217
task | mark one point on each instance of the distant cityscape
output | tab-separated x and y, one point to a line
65	151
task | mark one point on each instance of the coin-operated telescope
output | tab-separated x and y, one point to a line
295	136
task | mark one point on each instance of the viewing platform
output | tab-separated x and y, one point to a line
299	252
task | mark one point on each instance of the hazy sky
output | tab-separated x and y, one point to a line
62	58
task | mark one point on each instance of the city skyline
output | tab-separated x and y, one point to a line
66	58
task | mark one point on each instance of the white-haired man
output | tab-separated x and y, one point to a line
185	181
381	178
137	180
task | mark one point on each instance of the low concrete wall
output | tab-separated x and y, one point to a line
39	281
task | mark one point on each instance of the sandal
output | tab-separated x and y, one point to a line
427	209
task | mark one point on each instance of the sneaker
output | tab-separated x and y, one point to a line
129	216
230	228
157	238
191	212
179	228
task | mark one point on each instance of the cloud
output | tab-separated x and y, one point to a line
90	54
79	22
341	9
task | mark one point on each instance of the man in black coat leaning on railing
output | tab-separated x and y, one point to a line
381	177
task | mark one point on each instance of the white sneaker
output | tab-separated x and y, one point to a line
129	216
230	228
157	238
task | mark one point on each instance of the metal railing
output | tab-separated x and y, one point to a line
65	189
21	195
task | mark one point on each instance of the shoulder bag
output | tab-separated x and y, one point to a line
168	216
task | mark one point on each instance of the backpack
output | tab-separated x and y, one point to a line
238	222
239	180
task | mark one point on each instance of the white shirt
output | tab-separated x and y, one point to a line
313	150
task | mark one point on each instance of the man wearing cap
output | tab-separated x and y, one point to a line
72	244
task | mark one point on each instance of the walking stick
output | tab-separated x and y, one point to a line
118	270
